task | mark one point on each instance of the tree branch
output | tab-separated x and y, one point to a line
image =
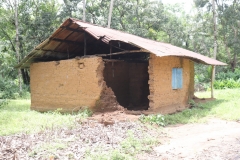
4	32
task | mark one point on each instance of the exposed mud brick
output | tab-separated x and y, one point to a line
116	77
107	100
68	84
162	97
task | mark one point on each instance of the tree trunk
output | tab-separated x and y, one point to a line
110	14
84	10
25	76
215	34
234	62
17	45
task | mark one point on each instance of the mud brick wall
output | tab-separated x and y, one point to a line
67	84
129	81
162	97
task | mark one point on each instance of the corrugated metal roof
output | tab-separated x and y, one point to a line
71	31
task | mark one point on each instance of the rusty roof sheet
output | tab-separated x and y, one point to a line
71	26
158	48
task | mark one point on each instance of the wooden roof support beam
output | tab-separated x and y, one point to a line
66	41
71	29
85	44
123	52
52	52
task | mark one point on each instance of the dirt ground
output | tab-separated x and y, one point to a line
216	139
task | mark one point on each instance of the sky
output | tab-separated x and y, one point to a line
187	3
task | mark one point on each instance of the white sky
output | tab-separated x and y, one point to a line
187	3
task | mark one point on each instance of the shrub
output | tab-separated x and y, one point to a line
153	119
227	83
3	102
228	75
10	90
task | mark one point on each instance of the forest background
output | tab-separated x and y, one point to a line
26	23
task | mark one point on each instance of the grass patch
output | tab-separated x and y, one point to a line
49	149
17	117
226	106
127	150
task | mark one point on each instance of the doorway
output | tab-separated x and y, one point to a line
129	82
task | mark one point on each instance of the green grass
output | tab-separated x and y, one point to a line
226	106
128	148
16	117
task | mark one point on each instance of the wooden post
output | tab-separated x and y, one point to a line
85	43
110	50
212	80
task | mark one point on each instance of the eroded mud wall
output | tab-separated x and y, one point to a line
68	84
162	97
129	81
116	77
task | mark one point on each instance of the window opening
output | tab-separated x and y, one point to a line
177	78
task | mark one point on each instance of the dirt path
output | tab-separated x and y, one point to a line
216	139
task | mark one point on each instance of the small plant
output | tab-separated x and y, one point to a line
133	145
153	119
86	112
3	102
192	104
57	111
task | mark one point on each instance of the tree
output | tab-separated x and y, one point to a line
110	13
215	37
229	17
17	44
228	33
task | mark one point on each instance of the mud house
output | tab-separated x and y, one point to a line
84	65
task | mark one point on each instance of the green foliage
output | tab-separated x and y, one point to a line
229	75
10	90
227	79
202	75
224	78
85	112
227	83
3	102
147	18
153	119
192	104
